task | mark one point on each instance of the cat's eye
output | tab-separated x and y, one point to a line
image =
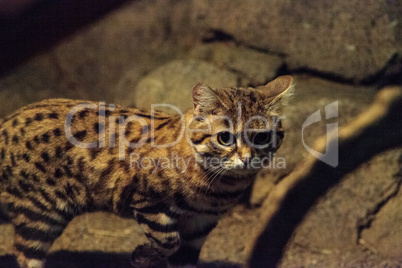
262	138
226	138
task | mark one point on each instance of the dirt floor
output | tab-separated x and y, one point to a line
105	241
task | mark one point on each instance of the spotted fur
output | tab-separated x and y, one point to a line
47	179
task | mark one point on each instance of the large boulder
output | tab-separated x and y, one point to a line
351	39
172	83
253	67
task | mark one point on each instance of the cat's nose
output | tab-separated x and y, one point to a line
245	157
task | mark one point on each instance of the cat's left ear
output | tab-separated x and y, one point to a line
278	92
205	100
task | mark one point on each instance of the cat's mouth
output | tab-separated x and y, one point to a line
242	171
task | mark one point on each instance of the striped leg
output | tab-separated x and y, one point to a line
33	240
30	254
163	235
35	233
32	243
193	232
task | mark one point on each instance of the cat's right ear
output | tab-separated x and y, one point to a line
277	92
205	100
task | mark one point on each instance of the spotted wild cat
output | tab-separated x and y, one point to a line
175	174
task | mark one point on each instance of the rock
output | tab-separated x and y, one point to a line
334	223
172	83
352	39
384	234
311	94
95	62
264	183
255	68
337	222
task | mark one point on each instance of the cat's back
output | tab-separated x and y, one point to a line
56	139
28	121
40	125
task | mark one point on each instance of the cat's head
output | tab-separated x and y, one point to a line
235	131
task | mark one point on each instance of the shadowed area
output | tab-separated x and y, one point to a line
68	259
42	24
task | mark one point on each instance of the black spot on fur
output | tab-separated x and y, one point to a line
9	170
67	170
68	146
3	178
57	132
59	152
103	113
40	167
35	178
122	118
45	138
24	174
95	152
61	195
12	158
38	117
3	154
15	122
15	139
80	135
26	157
28	121
24	186
5	134
99	127
58	173
45	157
82	114
150	140
53	115
28	145
36	139
50	182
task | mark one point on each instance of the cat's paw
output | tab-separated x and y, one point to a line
145	256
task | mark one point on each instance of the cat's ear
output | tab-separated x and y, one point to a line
205	100
278	92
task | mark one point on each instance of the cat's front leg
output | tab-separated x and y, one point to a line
164	239
193	233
